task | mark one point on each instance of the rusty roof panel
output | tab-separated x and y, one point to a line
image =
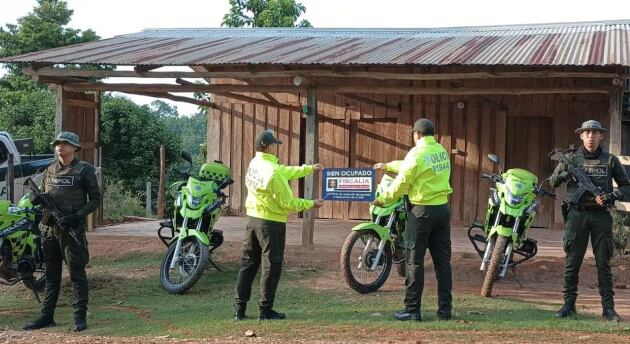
590	43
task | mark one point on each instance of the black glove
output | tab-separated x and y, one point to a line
35	199
565	176
69	220
611	197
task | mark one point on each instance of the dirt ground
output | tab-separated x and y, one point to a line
541	278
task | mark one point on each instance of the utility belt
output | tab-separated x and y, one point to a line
566	206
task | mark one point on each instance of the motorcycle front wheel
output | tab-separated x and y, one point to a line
188	270
495	263
358	256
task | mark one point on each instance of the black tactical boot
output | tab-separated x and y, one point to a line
567	310
610	314
80	324
41	322
406	315
239	311
270	314
444	314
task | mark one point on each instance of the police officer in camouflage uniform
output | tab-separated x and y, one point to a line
269	202
590	216
71	185
424	177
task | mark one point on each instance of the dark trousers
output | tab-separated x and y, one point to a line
76	256
428	227
263	245
581	224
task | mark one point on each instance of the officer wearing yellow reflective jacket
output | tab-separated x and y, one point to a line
423	176
269	202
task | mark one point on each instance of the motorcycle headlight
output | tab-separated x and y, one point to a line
513	199
195	201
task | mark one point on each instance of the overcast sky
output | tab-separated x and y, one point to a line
115	17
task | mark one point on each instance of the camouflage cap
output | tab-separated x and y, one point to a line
591	125
69	137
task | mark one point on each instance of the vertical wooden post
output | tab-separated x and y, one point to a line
310	158
148	199
61	108
614	110
160	210
100	212
10	184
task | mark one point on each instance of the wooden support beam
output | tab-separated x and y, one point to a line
614	111
176	98
215	88
145	72
247	98
145	68
310	157
134	88
368	101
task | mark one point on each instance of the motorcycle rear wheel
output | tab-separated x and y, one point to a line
493	267
193	259
357	258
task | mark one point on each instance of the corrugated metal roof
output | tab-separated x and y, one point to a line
589	43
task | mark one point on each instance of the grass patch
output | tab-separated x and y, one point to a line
127	300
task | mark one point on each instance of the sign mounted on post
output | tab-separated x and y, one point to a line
348	184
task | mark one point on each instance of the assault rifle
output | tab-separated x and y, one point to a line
584	182
52	207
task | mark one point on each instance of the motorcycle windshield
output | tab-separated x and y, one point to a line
199	193
387	208
519	184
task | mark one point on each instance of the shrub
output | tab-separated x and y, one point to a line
621	233
119	201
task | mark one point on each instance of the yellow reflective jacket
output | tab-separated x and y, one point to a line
423	175
269	195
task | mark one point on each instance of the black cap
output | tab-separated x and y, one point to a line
424	126
266	138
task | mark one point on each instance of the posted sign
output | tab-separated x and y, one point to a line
348	184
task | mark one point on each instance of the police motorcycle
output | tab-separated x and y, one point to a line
371	248
21	253
193	238
501	241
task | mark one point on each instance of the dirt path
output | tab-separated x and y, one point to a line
542	279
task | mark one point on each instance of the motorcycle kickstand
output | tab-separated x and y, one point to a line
214	265
516	277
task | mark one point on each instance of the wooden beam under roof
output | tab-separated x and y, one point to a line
248	99
55	72
222	88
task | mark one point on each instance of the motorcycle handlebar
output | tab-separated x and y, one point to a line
545	193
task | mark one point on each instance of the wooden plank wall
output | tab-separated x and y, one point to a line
81	116
359	134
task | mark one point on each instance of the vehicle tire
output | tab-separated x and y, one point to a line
194	256
493	267
401	268
358	254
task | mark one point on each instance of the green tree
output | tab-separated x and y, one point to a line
132	135
265	13
26	108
